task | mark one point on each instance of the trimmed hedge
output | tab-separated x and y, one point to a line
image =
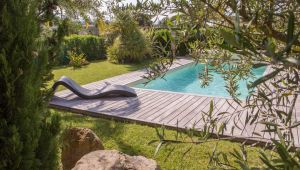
93	47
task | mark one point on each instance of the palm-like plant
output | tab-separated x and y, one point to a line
130	45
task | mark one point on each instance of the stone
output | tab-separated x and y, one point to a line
76	143
114	160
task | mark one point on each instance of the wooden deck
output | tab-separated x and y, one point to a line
171	109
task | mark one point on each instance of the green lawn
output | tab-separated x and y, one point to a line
133	139
95	71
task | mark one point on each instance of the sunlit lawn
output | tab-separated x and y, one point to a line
95	71
132	138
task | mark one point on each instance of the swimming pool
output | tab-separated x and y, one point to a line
185	80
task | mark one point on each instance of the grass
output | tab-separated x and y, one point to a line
132	138
95	71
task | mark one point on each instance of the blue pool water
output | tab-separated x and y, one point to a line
186	80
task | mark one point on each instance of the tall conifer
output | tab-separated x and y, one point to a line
28	133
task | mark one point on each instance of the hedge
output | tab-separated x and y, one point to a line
93	47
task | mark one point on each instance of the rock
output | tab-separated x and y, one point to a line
76	143
114	160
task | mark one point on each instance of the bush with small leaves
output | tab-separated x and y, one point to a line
131	45
77	60
28	131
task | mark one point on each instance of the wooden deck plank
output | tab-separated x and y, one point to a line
227	119
135	110
223	111
159	116
222	107
217	105
254	125
109	103
190	110
242	127
128	102
177	114
198	116
160	99
295	131
161	107
183	119
151	96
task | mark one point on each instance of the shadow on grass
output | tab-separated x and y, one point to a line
106	130
114	131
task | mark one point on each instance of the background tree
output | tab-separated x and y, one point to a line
130	44
78	9
259	32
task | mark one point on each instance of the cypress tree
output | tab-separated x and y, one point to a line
28	132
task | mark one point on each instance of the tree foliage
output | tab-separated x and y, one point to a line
77	9
28	132
245	34
130	44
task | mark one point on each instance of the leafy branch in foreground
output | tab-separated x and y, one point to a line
243	34
211	125
284	156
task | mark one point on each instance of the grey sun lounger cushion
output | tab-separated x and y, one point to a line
105	91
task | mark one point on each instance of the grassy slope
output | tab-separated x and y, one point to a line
131	138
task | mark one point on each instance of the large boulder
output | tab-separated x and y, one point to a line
76	143
114	160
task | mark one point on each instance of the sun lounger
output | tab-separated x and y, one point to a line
109	90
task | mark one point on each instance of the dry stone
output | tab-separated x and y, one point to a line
76	143
114	160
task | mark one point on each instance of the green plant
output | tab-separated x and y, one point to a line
131	45
162	37
254	34
93	47
73	27
77	60
28	132
133	139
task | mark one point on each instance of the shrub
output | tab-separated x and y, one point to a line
77	60
93	47
131	51
131	45
28	133
162	38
